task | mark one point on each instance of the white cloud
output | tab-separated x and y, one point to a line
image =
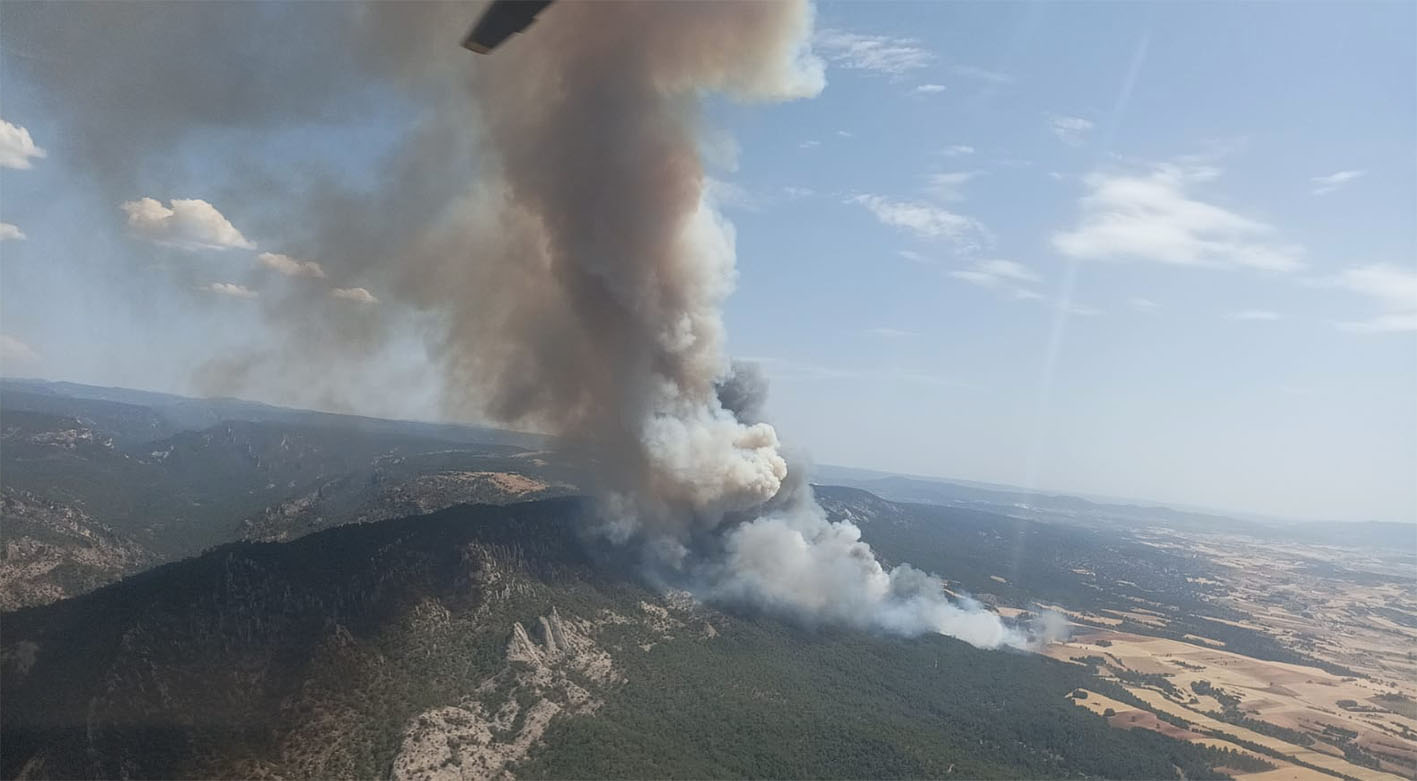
1007	269
949	187
926	221
1333	181
930	89
230	289
1153	217
356	294
958	150
17	148
289	266
1004	275
1392	288
913	256
991	77
1142	304
810	143
890	333
845	134
1069	130
12	349
793	192
1397	322
9	231
189	222
1082	310
875	53
1254	314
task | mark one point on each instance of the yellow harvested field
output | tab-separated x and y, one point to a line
1287	773
1317	758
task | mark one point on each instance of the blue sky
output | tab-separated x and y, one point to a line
1160	251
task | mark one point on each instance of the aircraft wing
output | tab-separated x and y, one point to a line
502	20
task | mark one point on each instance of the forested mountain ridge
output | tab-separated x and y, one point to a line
341	652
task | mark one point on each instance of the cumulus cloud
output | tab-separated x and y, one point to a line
875	53
1254	314
926	220
1327	184
356	294
1069	130
230	289
1154	217
950	186
15	350
9	231
187	222
289	266
17	148
1392	288
930	89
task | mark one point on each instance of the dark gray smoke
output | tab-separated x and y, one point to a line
547	219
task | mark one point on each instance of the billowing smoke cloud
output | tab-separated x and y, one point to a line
574	282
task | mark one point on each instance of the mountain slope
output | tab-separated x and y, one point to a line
401	647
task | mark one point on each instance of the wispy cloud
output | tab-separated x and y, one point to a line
356	294
1142	304
17	148
1327	184
1006	276
10	232
289	266
930	89
926	220
958	150
982	74
1154	217
913	256
793	192
188	222
1082	310
1070	130
890	333
950	186
875	53
1392	288
1262	315
810	143
230	289
13	349
845	134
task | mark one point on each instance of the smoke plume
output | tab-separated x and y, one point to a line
547	216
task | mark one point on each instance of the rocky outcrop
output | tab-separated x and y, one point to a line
483	736
52	550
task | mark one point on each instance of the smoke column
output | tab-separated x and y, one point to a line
546	212
593	125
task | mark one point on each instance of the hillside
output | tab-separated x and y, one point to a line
482	638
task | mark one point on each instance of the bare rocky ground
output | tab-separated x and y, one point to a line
52	550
